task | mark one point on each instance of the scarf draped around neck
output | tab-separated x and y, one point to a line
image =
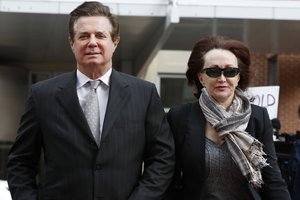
231	124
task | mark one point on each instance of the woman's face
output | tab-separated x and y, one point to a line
220	86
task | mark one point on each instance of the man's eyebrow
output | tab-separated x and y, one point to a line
97	32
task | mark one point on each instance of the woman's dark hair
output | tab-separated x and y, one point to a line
196	60
94	8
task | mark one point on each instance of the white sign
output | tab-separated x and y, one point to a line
266	96
4	192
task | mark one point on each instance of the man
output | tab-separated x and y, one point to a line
276	125
125	153
296	188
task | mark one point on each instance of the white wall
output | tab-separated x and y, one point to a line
242	9
167	62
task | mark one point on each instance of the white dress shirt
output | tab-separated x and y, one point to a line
102	92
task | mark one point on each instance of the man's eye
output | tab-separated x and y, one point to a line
100	36
82	37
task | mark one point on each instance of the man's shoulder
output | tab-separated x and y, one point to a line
130	79
60	79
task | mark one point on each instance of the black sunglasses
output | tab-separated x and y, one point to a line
215	72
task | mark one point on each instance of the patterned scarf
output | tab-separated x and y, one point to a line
231	124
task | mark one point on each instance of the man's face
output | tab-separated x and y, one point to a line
92	44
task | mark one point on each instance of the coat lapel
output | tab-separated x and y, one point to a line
195	139
118	96
250	128
67	96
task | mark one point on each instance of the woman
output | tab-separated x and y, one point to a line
224	145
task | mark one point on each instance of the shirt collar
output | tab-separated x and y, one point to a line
83	79
106	77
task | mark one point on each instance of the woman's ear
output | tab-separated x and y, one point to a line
201	79
238	79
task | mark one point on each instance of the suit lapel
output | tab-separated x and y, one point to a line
118	97
67	96
195	139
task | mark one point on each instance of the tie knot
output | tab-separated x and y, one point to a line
94	84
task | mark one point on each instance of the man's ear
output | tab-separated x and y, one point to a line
70	42
116	42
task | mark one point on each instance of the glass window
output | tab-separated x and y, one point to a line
174	90
38	76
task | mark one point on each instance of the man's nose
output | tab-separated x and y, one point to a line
93	41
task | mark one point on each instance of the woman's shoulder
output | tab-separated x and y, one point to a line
259	112
259	121
178	110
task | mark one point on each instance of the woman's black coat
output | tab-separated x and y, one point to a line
188	125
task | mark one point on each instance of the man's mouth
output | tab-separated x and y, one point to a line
92	53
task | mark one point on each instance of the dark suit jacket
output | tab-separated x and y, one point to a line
188	125
135	129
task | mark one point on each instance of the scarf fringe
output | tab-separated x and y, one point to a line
257	161
256	155
256	181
